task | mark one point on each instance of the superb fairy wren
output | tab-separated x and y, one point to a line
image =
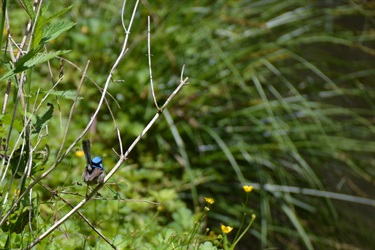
94	172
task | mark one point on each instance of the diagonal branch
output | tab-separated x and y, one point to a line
104	92
114	169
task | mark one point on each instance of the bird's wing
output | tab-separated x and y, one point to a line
95	173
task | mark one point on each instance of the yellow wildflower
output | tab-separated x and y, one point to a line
226	229
209	200
85	29
248	189
80	153
17	192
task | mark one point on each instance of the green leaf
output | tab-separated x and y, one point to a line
40	158
44	8
43	57
28	4
38	31
44	33
59	13
19	65
207	246
30	60
6	121
17	220
55	29
42	120
67	94
18	162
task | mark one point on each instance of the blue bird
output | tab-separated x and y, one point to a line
94	171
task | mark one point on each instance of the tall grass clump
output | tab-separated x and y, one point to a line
283	99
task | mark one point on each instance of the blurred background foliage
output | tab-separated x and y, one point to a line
281	93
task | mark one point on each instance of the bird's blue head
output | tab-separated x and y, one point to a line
97	162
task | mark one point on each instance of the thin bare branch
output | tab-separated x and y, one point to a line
110	174
149	63
123	156
123	51
79	213
72	109
61	76
32	184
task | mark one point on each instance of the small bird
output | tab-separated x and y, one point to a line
94	171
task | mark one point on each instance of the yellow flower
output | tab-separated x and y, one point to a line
209	200
226	229
85	29
248	189
17	192
80	153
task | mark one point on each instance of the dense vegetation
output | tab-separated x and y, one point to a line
280	97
